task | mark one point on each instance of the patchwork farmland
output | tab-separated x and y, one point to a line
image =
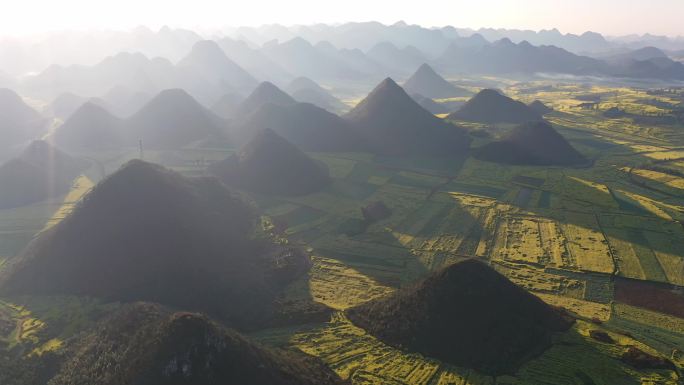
578	238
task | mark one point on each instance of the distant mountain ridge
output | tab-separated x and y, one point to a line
364	35
399	61
245	46
132	70
66	48
586	42
355	52
300	57
253	60
505	57
208	59
205	72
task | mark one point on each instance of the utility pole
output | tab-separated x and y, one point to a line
140	144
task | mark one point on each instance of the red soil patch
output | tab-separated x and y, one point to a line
650	295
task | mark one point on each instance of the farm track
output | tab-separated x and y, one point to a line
616	266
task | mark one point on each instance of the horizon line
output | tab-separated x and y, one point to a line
226	29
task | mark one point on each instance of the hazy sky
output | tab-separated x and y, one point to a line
606	16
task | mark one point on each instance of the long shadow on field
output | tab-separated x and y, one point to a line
431	236
400	254
389	251
18	226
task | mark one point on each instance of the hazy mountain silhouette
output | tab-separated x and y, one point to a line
308	127
67	103
131	70
7	81
522	51
532	143
354	59
401	61
365	35
253	60
301	83
270	164
40	172
425	81
172	119
90	128
539	107
586	42
660	67
147	344
306	90
124	102
300	57
208	59
321	99
394	124
430	105
227	106
466	314
167	42
267	63
256	36
86	47
506	57
489	106
19	123
474	40
201	74
148	233
634	41
361	35
645	53
677	55
265	92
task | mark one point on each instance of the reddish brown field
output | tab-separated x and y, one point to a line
649	295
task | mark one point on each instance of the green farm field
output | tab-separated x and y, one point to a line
564	234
